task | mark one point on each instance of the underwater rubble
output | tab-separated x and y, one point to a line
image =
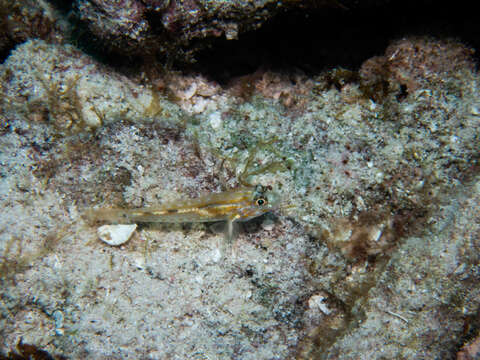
372	251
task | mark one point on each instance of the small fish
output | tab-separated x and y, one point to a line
230	206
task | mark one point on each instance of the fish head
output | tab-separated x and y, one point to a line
262	200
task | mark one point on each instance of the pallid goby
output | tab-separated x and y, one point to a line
230	206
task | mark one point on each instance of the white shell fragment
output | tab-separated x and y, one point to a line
317	302
116	234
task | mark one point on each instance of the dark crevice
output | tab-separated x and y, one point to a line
64	6
6	49
320	35
12	35
315	40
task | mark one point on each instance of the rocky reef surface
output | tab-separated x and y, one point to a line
372	253
180	28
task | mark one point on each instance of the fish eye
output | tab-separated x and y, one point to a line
261	201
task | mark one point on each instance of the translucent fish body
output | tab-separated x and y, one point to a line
234	205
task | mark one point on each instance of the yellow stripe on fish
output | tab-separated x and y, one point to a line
234	205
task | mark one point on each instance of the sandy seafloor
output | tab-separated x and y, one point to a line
372	255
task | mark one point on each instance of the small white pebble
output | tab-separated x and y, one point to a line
29	318
268	224
215	119
116	234
317	302
360	203
376	234
199	105
419	185
474	111
216	255
188	94
290	247
139	262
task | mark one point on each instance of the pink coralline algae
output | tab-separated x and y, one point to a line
412	63
121	24
177	28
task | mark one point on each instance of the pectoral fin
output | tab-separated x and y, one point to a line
232	228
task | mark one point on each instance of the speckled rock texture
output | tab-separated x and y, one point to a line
28	19
373	252
171	27
428	293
